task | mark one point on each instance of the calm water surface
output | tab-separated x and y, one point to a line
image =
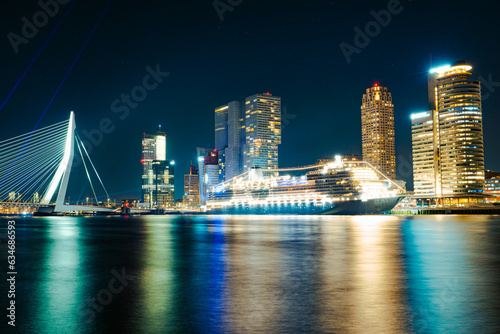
365	274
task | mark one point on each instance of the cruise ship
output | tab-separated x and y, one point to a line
337	187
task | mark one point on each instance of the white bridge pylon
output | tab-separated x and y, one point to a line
61	177
64	168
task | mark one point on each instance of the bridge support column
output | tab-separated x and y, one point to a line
61	177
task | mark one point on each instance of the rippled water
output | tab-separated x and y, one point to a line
252	274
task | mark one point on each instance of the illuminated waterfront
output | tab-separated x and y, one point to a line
268	274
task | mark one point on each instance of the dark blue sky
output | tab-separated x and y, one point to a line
289	48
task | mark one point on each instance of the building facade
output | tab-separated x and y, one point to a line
163	183
262	123
229	140
192	187
221	138
377	130
447	140
424	153
210	172
157	172
201	153
492	187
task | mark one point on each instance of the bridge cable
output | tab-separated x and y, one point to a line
88	175
23	179
95	170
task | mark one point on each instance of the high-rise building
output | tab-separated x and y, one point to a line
201	153
492	185
163	184
447	140
262	131
377	130
424	161
228	139
221	138
192	187
210	172
157	173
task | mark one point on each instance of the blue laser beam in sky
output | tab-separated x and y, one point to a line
30	65
62	83
74	62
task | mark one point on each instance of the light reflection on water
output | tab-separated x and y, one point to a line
249	274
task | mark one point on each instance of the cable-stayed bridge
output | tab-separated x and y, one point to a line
35	169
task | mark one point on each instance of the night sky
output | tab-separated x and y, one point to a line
289	48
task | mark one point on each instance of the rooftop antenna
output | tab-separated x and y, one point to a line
159	127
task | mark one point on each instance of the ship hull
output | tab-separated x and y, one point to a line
353	207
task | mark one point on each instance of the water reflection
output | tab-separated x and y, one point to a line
254	276
444	283
231	274
378	282
59	286
157	279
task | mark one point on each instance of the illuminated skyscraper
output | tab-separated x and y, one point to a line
424	159
191	187
210	172
262	131
157	173
377	130
163	184
449	137
228	140
201	153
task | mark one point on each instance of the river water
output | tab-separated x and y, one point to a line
255	274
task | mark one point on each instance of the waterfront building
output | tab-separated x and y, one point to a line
424	153
377	130
201	153
221	138
210	172
492	185
157	172
262	131
191	187
229	136
447	140
130	202
163	191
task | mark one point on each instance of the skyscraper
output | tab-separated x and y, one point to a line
201	153
262	131
210	172
424	161
163	184
377	130
228	139
449	162
191	187
221	139
157	173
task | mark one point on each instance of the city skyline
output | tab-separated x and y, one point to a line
237	166
313	78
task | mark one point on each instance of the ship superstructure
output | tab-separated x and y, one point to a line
340	186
